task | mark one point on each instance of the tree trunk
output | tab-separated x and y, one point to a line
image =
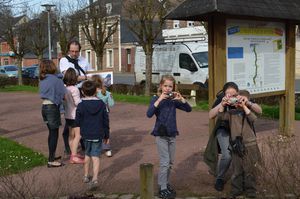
40	58
148	74
99	61
19	64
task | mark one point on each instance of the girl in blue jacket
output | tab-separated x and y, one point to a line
163	106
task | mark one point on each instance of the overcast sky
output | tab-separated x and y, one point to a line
35	5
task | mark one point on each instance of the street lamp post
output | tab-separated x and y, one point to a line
48	9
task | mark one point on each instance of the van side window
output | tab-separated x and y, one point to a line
186	62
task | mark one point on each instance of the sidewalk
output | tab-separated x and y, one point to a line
132	145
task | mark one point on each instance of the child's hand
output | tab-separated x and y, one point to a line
178	96
225	101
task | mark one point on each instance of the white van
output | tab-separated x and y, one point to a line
187	62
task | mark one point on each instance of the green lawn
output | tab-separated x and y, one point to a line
16	158
19	88
268	111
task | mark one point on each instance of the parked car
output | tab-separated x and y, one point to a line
31	72
9	70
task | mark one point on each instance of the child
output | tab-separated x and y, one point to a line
241	126
106	97
92	118
71	102
52	92
165	130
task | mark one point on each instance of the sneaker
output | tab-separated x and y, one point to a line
108	153
166	194
171	189
219	186
94	185
87	179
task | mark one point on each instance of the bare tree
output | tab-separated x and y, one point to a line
98	27
37	37
15	34
67	29
66	24
146	22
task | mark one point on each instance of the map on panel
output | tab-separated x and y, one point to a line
256	55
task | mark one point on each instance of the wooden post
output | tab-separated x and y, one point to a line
216	59
287	103
146	180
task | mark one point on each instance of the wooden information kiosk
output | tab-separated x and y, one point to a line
253	44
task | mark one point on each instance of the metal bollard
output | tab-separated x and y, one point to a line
146	180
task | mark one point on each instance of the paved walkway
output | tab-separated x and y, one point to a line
132	144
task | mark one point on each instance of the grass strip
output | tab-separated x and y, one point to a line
16	158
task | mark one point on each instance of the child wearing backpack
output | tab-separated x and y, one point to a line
164	106
245	151
107	98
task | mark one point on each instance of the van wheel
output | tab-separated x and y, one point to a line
143	83
200	84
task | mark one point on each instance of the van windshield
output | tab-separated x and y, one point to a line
202	59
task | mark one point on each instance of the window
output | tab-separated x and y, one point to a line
110	39
176	24
110	58
202	59
190	24
5	61
186	62
108	8
128	52
88	55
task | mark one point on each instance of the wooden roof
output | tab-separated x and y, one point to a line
201	9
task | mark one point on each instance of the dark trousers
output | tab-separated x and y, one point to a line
66	139
52	143
51	115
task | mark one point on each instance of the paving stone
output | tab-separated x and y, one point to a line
126	196
290	196
270	196
113	196
100	195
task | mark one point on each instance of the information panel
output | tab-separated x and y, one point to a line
256	55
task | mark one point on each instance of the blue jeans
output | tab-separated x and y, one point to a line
223	140
93	148
51	116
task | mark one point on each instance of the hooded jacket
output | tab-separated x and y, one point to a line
92	118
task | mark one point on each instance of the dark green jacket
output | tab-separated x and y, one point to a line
212	150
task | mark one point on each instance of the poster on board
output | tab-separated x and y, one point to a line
256	55
107	77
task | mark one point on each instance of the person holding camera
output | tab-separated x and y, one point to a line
164	106
219	138
245	152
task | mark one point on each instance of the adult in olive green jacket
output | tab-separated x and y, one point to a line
219	138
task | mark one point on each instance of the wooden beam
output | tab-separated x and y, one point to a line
216	59
287	120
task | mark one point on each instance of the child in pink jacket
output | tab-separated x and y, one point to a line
71	102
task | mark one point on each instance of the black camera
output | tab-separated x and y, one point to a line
171	95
